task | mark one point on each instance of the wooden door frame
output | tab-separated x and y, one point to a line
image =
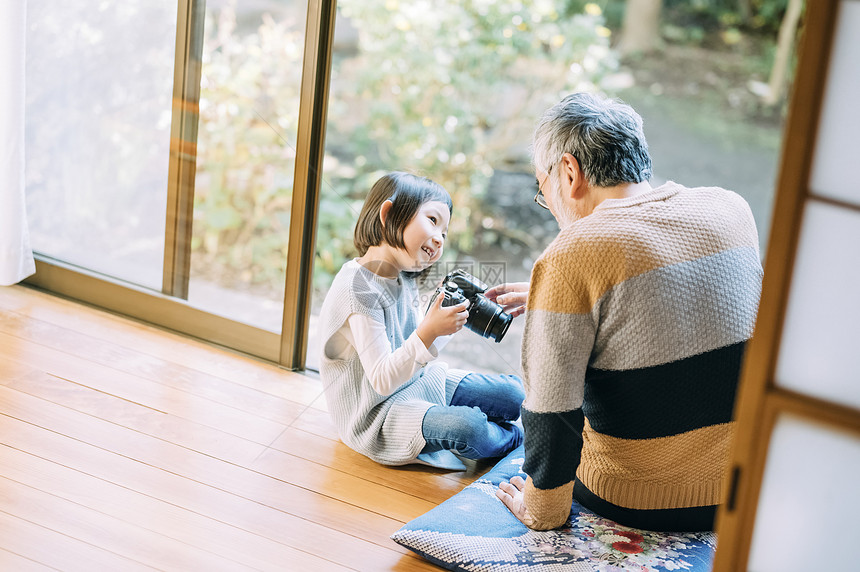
760	401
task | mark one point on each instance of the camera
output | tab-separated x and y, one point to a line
485	316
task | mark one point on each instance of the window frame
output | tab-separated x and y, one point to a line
169	307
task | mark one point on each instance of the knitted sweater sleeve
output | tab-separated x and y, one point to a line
559	337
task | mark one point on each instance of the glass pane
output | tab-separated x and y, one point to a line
249	106
818	354
439	89
838	147
99	89
799	500
452	90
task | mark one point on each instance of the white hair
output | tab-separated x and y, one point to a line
604	135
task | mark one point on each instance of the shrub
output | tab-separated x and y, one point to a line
450	90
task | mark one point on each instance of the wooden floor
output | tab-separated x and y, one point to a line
124	447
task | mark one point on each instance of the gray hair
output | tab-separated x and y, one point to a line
604	135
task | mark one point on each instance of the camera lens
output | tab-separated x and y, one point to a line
487	318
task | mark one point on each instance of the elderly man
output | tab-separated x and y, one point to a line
636	319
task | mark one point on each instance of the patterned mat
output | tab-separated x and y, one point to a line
473	531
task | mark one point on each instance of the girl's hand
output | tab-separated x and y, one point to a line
442	320
511	297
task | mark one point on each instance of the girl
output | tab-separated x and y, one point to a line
389	400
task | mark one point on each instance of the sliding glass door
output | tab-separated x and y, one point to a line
451	90
250	91
99	81
168	146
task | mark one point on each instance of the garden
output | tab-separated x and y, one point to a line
452	90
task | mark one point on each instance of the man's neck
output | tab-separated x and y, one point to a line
572	209
596	195
622	191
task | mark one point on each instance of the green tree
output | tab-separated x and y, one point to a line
452	90
246	150
447	89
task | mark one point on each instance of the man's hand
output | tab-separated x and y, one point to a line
511	297
511	494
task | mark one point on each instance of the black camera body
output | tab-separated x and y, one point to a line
485	316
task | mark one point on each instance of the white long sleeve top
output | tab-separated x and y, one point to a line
386	369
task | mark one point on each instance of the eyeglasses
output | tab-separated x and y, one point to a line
539	198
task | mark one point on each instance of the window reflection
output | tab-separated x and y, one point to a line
99	89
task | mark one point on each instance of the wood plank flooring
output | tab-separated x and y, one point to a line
126	447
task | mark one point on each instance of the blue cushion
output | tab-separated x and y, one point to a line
473	530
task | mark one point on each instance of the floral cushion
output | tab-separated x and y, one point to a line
473	530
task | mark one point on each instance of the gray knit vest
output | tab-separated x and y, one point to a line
385	428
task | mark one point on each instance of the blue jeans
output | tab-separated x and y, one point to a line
477	423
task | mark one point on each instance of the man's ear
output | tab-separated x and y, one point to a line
573	181
384	210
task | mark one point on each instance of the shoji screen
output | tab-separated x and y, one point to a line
793	502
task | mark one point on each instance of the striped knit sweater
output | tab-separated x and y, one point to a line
636	324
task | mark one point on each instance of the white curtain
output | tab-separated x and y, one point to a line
16	258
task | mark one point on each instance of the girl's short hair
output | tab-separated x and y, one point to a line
407	193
